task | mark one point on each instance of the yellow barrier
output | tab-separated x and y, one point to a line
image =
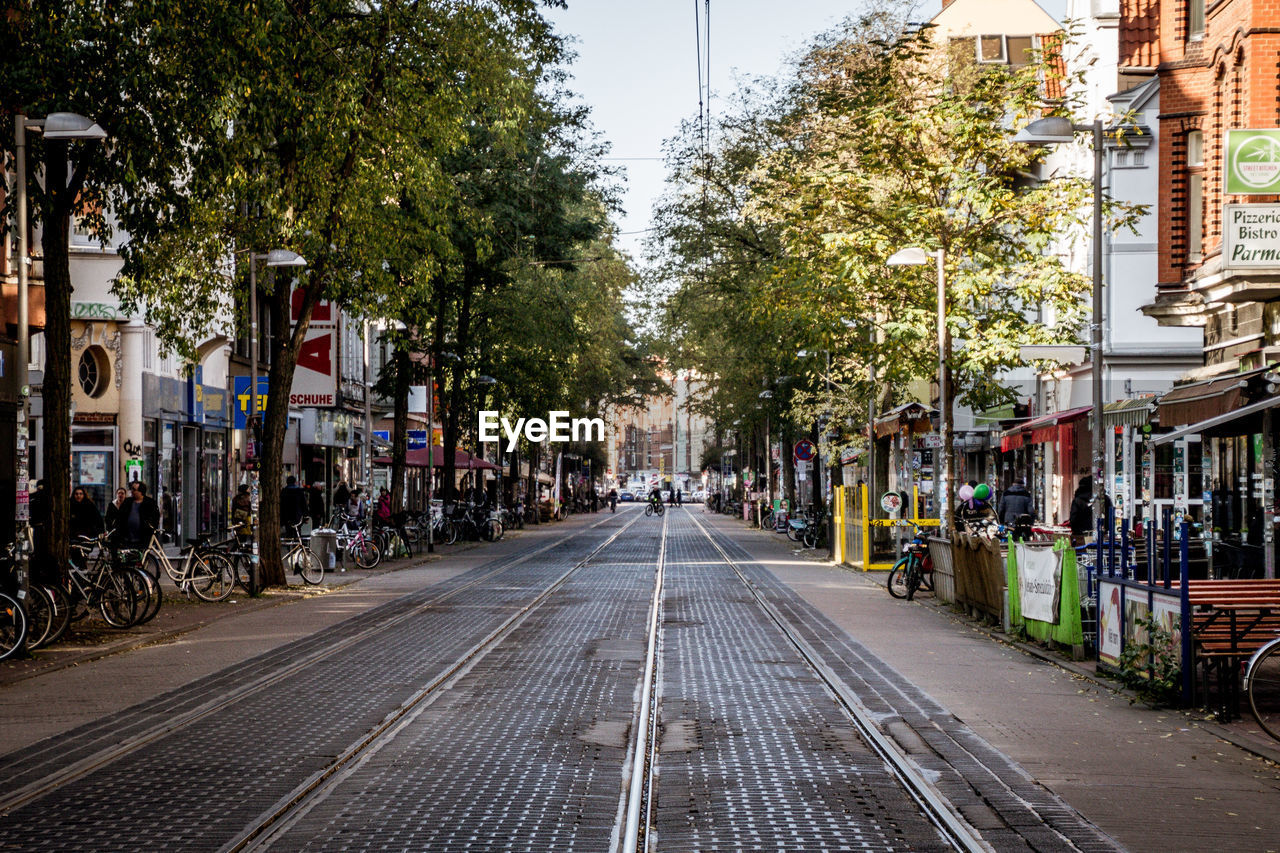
855	520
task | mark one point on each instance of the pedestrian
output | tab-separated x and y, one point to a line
1015	503
138	520
595	499
679	497
341	497
113	508
242	511
613	500
293	503
317	505
355	506
1081	516
84	518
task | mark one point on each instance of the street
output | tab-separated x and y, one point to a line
493	705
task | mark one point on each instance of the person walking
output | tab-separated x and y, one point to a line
84	518
316	508
1081	516
1016	502
138	520
242	511
113	508
293	504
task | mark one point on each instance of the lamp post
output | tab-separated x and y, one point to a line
273	258
1057	130
915	257
768	449
56	126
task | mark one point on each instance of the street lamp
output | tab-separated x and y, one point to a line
273	258
768	450
56	126
915	256
1059	130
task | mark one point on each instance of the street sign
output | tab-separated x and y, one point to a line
891	502
804	450
1253	162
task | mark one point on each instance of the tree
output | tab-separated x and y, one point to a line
326	112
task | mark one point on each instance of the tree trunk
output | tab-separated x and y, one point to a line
456	399
56	384
286	343
788	467
815	470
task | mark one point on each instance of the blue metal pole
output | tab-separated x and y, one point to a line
1184	594
1167	517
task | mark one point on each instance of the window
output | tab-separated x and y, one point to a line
1195	196
93	370
1195	19
1015	51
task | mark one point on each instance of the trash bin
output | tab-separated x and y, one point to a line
324	544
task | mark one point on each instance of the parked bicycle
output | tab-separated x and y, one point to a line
299	557
356	542
1262	687
914	568
203	571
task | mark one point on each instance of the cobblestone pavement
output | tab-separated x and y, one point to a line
525	745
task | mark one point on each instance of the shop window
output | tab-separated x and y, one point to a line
93	371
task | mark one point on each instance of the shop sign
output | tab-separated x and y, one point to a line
242	397
315	379
1253	162
1251	236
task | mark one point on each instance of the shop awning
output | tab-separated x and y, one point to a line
915	417
1045	427
1201	401
1135	411
462	460
1218	420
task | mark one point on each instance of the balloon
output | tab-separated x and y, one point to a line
982	491
966	492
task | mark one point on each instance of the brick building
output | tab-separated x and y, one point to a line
1219	69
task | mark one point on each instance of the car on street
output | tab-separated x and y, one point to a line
626	496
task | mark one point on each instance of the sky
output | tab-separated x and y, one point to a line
637	69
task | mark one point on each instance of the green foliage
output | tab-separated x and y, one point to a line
1151	664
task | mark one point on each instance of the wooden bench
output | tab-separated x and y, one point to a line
1231	619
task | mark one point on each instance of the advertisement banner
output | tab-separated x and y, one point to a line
315	379
1109	643
1040	582
241	397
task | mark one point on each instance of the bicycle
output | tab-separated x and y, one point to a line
98	585
1262	687
301	558
356	542
204	571
654	508
815	532
913	570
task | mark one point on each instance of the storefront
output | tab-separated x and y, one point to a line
1230	453
185	454
329	447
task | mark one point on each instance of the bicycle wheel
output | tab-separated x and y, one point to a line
306	563
61	615
648	511
897	580
39	617
146	590
913	579
173	569
794	533
117	600
1262	686
212	576
365	553
13	626
448	532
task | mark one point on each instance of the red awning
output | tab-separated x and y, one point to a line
462	460
1041	429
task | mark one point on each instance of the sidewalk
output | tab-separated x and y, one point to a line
80	681
1153	780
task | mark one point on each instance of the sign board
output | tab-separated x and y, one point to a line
804	450
315	379
1039	582
241	399
891	502
1253	162
133	469
932	439
1251	236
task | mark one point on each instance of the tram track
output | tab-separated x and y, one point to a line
281	816
382	619
949	823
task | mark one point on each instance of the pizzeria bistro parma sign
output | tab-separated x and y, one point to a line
1251	236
